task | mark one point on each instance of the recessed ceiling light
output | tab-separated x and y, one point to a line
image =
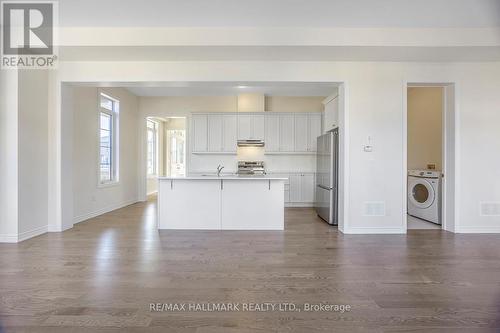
241	87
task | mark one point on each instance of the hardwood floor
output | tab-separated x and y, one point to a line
102	275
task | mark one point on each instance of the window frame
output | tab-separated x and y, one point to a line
114	146
156	148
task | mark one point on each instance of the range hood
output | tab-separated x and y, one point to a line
250	143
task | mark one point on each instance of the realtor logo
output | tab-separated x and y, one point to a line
28	34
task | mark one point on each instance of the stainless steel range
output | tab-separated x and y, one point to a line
251	168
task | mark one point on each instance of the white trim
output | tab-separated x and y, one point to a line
299	204
108	184
330	98
344	156
16	238
57	228
368	230
447	225
8	238
32	233
107	209
152	192
404	134
477	230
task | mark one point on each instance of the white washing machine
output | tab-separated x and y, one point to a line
424	195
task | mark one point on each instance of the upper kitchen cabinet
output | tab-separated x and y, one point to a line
272	133
229	132
200	132
259	127
251	127
314	130
214	133
301	132
307	129
283	133
287	133
245	126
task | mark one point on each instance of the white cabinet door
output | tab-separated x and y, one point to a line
245	127
314	131
307	187
200	132
287	132
229	132
272	133
214	133
295	188
258	127
301	135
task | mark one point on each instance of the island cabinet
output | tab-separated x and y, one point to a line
221	203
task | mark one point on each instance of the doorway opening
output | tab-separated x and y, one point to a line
165	149
430	134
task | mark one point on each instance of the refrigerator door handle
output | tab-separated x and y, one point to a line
325	187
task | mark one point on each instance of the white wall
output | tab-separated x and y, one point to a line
8	156
33	149
425	127
90	199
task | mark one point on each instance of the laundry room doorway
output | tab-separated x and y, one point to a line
429	169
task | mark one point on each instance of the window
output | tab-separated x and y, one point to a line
152	128
177	152
108	140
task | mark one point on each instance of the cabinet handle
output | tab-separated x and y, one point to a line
221	184
171	184
269	184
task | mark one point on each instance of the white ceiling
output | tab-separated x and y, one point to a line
280	13
233	89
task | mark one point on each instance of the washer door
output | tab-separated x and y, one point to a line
420	193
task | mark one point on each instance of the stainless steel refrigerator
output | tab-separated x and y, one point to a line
327	175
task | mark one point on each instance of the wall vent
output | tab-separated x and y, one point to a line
374	208
489	209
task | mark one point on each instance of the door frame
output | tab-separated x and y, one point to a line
450	183
143	150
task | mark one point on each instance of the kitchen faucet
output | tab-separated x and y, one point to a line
219	169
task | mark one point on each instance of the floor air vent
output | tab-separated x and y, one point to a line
374	208
490	209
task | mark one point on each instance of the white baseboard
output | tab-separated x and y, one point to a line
8	238
478	230
298	205
32	233
57	228
16	238
107	209
379	231
152	192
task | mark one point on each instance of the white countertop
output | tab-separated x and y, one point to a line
235	177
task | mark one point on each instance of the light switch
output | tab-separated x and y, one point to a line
368	148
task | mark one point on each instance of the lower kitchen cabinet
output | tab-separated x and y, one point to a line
299	189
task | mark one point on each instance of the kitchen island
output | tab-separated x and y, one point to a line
221	203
